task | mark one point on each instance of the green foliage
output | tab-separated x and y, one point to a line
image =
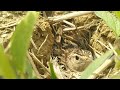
111	20
53	75
117	76
95	64
5	68
28	70
19	45
117	62
117	13
21	39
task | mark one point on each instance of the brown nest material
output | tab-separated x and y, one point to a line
80	44
71	44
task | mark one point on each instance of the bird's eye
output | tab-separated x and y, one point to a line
76	57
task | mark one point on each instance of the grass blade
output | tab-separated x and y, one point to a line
6	71
28	69
117	13
112	21
53	75
95	64
21	39
115	76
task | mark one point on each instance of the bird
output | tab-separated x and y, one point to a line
78	59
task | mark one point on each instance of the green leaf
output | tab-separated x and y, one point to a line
53	75
117	13
95	64
117	62
6	71
21	39
28	70
110	19
115	76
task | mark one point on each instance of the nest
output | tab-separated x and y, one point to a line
79	38
70	44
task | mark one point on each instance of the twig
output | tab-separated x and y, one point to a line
95	51
9	44
107	76
69	15
69	29
103	44
112	49
69	23
34	45
105	65
34	67
75	28
81	27
42	43
37	60
6	26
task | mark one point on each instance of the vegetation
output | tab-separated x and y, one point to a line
14	64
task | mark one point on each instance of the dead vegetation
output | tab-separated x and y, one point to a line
70	43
